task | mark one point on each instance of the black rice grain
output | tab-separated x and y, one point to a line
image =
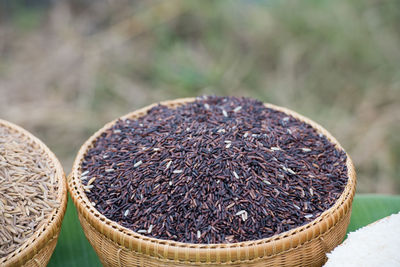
217	170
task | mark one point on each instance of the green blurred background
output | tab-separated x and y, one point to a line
68	67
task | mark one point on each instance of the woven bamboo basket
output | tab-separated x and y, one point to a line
37	250
303	246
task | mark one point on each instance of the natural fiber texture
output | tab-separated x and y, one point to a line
303	246
37	250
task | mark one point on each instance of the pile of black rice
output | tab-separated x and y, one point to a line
216	170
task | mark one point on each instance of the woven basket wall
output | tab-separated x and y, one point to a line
303	246
37	250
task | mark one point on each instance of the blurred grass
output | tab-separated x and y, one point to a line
68	67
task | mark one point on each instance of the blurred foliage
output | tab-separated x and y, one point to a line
68	67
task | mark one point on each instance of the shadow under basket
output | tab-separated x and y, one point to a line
37	250
302	246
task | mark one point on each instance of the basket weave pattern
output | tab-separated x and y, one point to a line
303	246
37	250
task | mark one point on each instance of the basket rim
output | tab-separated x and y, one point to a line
127	238
45	234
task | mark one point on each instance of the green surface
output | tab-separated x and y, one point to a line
73	249
369	208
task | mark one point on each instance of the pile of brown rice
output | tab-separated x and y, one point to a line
28	190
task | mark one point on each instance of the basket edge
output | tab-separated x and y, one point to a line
37	242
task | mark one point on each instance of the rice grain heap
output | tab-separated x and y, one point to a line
28	190
374	245
216	170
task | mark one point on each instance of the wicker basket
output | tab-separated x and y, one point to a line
37	250
303	246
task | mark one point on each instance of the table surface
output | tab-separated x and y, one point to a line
73	249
